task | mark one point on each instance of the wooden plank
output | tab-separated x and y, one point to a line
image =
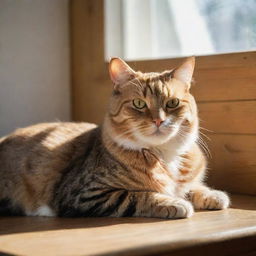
231	88
96	102
229	117
224	73
242	59
87	53
233	163
128	236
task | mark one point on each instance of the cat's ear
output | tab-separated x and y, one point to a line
184	72
120	72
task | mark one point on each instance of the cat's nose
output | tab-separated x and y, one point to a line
158	121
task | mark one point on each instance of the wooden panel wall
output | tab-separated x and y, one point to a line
225	90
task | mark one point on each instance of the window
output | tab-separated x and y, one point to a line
153	29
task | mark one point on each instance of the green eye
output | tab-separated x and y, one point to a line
173	103
138	103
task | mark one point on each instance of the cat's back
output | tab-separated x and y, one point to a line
46	135
34	156
45	140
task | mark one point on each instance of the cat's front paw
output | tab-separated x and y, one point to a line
211	200
180	209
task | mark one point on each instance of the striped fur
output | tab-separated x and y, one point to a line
126	167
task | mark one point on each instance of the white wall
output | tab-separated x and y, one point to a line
34	62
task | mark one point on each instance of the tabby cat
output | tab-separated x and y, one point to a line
143	161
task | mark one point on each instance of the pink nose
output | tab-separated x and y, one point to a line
158	122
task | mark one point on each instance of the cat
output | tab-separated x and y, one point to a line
143	161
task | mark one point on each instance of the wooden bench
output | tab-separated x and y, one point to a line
227	232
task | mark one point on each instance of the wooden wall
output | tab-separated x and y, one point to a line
225	90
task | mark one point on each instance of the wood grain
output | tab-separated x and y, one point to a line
233	87
128	236
87	55
238	117
233	163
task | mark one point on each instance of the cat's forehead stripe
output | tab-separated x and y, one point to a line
154	84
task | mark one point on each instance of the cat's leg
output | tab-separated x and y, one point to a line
203	198
151	204
123	203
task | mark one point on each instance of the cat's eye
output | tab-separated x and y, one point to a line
173	103
138	103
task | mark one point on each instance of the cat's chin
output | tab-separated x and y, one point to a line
160	136
156	139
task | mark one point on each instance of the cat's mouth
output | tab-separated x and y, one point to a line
163	131
157	136
158	132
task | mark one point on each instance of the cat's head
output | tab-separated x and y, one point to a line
149	109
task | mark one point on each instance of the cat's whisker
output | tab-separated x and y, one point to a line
205	147
182	133
202	128
207	137
202	140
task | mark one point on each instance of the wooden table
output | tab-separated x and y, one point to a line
227	232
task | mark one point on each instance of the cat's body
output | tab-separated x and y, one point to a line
122	168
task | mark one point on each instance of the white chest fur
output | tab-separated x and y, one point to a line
171	153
